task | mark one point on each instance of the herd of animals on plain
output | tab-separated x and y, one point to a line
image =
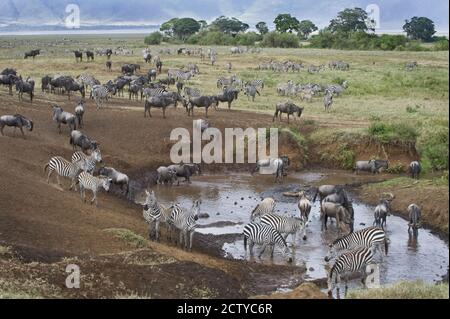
352	251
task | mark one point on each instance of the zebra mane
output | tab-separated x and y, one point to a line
339	240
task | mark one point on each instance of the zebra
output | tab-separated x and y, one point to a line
256	83
93	183
63	168
185	222
347	263
100	93
229	66
88	81
283	224
188	91
147	92
251	91
213	59
370	237
328	100
88	161
266	236
266	206
152	213
184	76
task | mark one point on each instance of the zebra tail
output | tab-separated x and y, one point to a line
386	245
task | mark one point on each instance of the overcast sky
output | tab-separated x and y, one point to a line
392	12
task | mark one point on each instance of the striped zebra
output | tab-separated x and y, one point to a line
87	161
188	91
63	168
266	206
223	82
185	222
100	94
283	224
147	92
184	76
264	235
370	237
88	81
328	100
348	263
93	183
153	213
256	83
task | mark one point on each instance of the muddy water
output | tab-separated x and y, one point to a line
229	199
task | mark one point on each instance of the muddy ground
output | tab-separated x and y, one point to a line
43	228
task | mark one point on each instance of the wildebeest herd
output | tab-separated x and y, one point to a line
352	251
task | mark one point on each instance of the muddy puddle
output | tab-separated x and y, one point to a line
229	199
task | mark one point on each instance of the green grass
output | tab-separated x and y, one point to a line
403	290
128	237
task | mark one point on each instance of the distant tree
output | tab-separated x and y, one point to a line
185	27
305	28
167	27
203	25
351	20
231	26
153	38
286	23
419	28
262	28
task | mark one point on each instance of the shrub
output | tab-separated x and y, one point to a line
392	132
280	40
153	38
432	145
211	38
247	39
441	45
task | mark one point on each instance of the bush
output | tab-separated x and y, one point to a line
153	38
432	145
247	39
393	132
280	40
211	38
441	45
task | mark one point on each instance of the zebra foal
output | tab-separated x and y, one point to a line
283	224
93	183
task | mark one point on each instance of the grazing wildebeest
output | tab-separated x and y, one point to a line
89	55
152	73
16	121
201	101
79	113
166	175
414	213
8	71
72	86
414	169
8	80
277	166
130	68
81	140
108	65
228	95
368	166
147	57
78	56
117	178
287	107
25	87
380	165
325	190
32	53
60	82
337	211
167	81
45	83
62	117
185	170
159	102
382	210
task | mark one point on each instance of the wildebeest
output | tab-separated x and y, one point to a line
130	68
117	178
32	53
275	166
228	95
382	210
368	166
16	121
45	83
79	113
337	211
62	117
89	55
304	205
108	65
8	80
147	57
325	190
72	86
414	169
152	73
78	56
158	102
159	65
287	107
414	213
201	101
81	140
166	175
185	170
380	165
25	87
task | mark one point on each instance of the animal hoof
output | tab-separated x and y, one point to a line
304	237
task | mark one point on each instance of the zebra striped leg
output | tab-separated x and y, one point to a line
251	244
157	230
94	198
191	239
262	250
272	248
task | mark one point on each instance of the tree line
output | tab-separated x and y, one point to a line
350	29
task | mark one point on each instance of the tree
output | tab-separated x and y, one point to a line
203	24
419	28
185	27
305	28
230	26
262	28
351	20
167	27
286	23
153	38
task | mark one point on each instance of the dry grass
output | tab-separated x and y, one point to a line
403	290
